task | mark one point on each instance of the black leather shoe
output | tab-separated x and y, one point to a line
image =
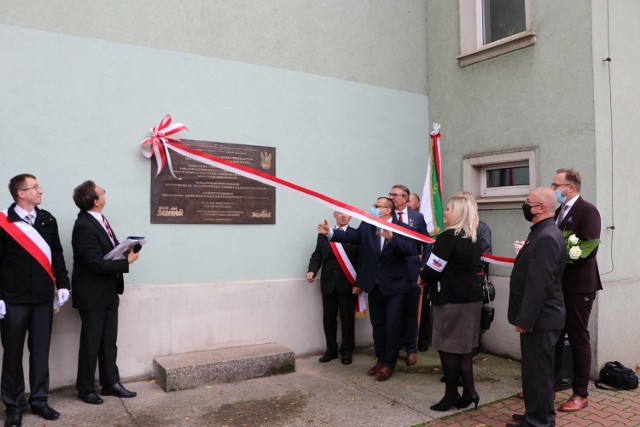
519	418
90	397
118	390
346	360
14	419
45	411
327	357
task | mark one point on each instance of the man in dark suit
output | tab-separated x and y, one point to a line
31	268
580	282
384	275
400	195
536	306
96	285
338	294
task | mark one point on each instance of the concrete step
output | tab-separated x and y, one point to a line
188	370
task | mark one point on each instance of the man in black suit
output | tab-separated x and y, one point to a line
400	195
384	275
96	285
580	282
31	268
536	306
338	293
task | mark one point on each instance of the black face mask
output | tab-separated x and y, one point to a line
526	210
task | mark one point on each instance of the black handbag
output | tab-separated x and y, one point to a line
486	317
488	290
616	376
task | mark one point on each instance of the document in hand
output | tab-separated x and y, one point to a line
121	251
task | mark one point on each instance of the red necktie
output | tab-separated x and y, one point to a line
400	216
109	232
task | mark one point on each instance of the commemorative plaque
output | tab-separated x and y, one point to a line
208	195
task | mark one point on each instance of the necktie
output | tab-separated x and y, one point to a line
563	212
29	219
109	232
400	216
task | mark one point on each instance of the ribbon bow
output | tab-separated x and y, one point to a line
157	144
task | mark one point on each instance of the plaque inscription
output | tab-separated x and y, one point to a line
209	195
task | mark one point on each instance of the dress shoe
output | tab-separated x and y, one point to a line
422	347
384	373
519	418
45	411
346	360
118	390
446	403
374	370
327	357
14	419
411	359
574	404
465	401
520	395
90	397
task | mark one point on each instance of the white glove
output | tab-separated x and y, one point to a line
62	296
3	309
517	246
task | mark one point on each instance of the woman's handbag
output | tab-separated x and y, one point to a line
488	290
488	312
486	317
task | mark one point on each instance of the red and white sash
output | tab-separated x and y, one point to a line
350	272
30	240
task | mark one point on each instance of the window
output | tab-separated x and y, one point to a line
500	180
489	28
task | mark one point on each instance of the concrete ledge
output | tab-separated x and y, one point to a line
188	370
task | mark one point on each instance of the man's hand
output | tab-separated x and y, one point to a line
132	257
421	284
324	228
3	309
520	330
356	290
387	234
310	276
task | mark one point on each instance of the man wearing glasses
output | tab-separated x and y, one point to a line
384	275
415	220
31	268
580	282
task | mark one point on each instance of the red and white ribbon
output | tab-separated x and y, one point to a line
30	240
159	145
351	275
498	260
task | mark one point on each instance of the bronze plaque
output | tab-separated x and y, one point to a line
209	195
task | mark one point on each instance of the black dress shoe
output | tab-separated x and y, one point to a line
14	419
346	360
90	397
422	347
118	390
327	357
45	411
519	418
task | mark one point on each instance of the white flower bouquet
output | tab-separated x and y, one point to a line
577	248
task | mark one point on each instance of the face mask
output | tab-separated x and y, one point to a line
374	211
559	196
526	210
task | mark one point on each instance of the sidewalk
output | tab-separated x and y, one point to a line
333	394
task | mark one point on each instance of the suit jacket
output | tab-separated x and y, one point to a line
22	278
386	267
536	302
96	281
333	278
582	276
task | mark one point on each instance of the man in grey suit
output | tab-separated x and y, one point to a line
536	306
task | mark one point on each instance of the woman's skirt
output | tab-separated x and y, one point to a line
456	327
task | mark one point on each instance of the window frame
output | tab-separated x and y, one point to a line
472	49
474	178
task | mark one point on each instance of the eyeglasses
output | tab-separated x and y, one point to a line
37	187
555	186
392	195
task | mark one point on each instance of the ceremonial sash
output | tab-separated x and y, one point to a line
350	273
30	240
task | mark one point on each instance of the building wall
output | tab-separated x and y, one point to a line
82	85
559	98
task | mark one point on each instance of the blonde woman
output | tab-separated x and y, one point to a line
450	274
